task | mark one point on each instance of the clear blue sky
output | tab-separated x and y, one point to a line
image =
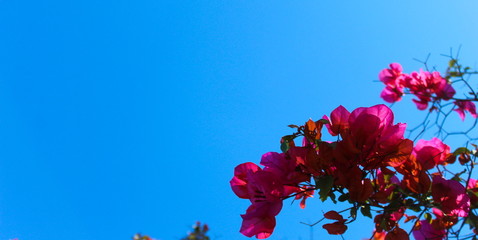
119	117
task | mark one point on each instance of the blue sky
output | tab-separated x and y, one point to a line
119	117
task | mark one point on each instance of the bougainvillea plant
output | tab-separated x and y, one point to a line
373	167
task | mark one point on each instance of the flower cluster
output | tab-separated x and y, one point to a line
371	166
266	188
425	86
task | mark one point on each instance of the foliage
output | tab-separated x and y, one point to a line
199	232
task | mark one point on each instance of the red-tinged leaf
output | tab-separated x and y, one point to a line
461	150
397	234
379	235
310	125
302	203
333	215
409	218
335	228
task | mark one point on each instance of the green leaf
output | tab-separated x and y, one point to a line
428	217
324	121
387	177
451	63
456	74
332	197
288	138
472	220
284	147
461	150
344	197
365	210
324	184
293	126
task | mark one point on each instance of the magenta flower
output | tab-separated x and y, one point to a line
393	75
463	106
451	196
373	136
431	153
338	122
259	219
428	231
446	91
265	191
392	94
277	164
283	168
425	86
393	78
240	181
266	188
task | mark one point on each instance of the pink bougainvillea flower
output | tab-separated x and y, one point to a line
394	80
284	167
259	219
278	164
446	91
265	191
392	94
426	86
421	88
380	115
431	153
463	106
339	121
422	104
428	231
451	196
372	139
239	182
391	75
266	188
